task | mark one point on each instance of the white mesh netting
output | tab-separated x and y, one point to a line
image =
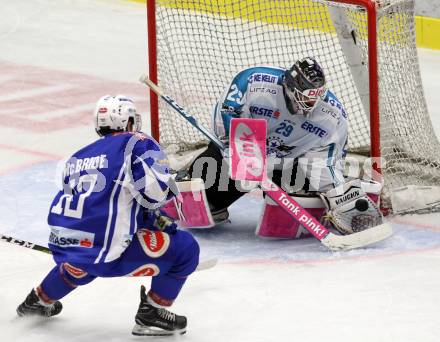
202	44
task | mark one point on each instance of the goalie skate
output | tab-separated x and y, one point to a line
152	321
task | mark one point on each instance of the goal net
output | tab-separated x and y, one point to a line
367	49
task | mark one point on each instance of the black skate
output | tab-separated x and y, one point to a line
220	216
152	321
32	307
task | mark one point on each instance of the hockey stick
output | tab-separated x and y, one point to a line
203	265
25	244
191	119
330	240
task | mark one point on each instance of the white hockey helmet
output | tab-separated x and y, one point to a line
113	113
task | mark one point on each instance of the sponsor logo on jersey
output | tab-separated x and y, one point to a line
154	244
309	127
102	110
147	270
336	104
74	271
264	112
274	142
261	77
276	147
262	90
329	111
64	237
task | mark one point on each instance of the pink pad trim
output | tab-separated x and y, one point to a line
191	209
276	223
295	210
374	198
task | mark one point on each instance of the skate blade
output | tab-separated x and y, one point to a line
141	330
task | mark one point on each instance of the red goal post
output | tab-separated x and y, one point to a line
367	49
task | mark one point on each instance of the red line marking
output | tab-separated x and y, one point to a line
333	260
48	156
22	113
19	167
416	224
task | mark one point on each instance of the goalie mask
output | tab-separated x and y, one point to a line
304	84
113	113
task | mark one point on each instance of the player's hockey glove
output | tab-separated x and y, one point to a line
228	113
349	209
156	220
164	223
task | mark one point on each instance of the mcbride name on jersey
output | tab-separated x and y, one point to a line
106	187
258	93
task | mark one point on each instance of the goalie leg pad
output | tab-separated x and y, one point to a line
350	209
190	209
275	223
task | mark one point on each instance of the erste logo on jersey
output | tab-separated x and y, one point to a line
154	244
311	128
255	110
64	237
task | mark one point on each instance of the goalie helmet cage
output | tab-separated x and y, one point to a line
367	49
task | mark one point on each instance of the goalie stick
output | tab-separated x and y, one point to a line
332	241
191	119
203	265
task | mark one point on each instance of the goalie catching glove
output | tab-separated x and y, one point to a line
349	209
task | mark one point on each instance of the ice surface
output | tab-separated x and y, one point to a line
260	290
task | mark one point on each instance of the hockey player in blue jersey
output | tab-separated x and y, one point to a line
105	222
306	139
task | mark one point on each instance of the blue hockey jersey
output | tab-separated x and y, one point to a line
105	189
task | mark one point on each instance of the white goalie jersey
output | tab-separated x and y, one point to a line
318	139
